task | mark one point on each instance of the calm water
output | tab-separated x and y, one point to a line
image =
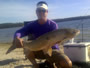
6	35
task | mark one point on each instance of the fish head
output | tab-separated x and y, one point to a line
70	33
66	34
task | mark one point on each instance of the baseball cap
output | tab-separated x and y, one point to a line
42	5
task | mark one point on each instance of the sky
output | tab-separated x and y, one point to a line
12	11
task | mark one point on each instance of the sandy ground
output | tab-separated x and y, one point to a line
16	59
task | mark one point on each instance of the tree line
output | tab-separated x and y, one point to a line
10	25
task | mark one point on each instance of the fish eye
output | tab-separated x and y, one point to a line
74	32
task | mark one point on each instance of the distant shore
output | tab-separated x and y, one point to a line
19	24
10	25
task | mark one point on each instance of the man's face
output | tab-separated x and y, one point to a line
41	13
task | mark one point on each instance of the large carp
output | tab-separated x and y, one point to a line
47	40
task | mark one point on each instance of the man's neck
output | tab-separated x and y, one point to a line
40	21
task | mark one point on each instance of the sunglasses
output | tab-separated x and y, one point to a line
41	10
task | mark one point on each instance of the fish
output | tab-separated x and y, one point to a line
49	39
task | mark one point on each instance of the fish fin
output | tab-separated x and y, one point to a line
11	49
48	51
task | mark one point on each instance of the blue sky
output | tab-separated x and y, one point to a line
24	10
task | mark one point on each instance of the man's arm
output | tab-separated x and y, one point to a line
24	31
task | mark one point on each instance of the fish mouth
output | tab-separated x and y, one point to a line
77	32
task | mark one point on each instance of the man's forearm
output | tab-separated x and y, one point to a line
18	42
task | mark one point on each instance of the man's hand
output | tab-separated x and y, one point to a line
18	42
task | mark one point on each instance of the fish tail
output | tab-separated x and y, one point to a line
11	49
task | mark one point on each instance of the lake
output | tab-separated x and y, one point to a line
6	35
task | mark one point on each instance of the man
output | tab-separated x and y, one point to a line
39	27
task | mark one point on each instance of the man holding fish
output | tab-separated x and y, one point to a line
39	27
